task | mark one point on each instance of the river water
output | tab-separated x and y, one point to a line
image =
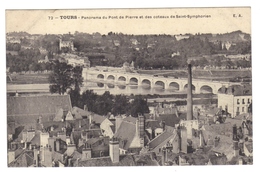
114	89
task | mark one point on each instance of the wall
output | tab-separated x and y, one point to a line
105	125
226	100
44	139
189	125
231	102
243	107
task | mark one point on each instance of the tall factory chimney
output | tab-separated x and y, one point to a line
189	95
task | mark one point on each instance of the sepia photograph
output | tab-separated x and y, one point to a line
129	87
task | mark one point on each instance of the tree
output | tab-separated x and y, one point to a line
89	98
104	103
138	105
64	76
121	104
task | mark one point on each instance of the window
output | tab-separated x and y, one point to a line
238	101
237	109
243	101
248	101
243	109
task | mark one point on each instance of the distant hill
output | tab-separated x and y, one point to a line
235	37
18	34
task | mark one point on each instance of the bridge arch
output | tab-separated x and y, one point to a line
146	83
206	89
110	85
186	87
122	78
101	85
133	81
159	84
222	89
174	86
111	77
100	76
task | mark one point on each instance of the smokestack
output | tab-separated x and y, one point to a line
189	95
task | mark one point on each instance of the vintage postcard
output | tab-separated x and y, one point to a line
129	87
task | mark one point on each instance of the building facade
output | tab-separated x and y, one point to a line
233	104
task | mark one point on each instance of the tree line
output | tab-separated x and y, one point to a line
107	103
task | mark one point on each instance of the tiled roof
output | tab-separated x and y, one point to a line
126	160
11	128
238	90
125	134
98	118
44	104
153	124
130	119
92	140
92	133
36	139
224	130
159	139
59	116
148	159
23	160
249	146
171	119
81	112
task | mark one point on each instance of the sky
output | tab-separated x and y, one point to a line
130	21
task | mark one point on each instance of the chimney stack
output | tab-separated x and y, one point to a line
86	153
189	95
183	140
57	145
36	157
85	108
235	132
201	139
114	150
235	148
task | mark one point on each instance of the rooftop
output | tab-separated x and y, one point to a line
44	104
126	160
125	134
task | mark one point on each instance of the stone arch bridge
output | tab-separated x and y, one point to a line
153	81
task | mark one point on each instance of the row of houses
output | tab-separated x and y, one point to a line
48	131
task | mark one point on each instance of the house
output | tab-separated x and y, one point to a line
103	123
134	139
235	99
79	61
168	139
45	60
134	41
180	37
116	43
66	44
28	109
25	159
